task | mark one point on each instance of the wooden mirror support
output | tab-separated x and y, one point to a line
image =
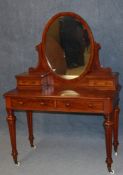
94	76
94	91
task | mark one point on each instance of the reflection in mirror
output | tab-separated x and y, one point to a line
69	93
67	47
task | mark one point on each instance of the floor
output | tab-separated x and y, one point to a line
59	152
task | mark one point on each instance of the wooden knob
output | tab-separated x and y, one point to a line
33	82
42	103
90	105
67	104
21	102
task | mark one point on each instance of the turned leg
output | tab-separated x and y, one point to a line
108	125
11	119
30	127
115	128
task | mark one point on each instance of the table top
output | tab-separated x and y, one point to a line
52	92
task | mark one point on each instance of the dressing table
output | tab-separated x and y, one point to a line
68	78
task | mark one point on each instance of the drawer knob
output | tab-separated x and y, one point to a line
33	82
90	105
21	102
67	104
42	103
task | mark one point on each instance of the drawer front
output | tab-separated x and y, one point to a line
34	104
63	105
28	82
76	105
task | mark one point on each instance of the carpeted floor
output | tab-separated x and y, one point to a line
63	152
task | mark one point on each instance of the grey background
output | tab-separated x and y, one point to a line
21	26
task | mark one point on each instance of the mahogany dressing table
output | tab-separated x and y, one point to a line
68	78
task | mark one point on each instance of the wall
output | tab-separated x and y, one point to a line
21	26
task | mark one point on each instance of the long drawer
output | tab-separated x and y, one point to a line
65	105
33	104
77	105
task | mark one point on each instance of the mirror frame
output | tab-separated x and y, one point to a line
84	23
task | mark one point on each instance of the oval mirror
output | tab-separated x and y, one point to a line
68	45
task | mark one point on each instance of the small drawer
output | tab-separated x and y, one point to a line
77	105
34	104
28	82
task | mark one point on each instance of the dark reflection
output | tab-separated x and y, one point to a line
67	46
74	39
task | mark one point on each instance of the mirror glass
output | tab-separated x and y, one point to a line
67	47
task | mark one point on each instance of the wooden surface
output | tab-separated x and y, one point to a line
96	91
65	100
